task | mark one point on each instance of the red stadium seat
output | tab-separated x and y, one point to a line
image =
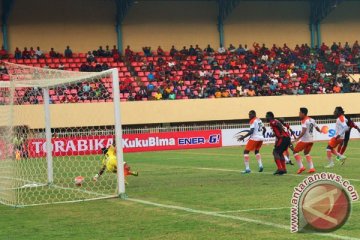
6	77
113	64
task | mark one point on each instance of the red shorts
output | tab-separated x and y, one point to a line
334	142
303	146
253	145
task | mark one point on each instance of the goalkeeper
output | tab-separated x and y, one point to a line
109	163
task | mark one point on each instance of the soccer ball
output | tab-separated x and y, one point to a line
79	180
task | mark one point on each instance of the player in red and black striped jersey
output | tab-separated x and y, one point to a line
342	147
291	133
282	142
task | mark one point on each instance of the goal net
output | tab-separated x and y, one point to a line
47	140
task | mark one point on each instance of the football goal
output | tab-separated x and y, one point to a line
42	163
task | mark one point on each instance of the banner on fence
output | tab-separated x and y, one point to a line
70	146
328	131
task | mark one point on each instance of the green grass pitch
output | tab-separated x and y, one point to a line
188	194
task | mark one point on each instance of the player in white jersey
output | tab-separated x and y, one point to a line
305	141
256	133
340	128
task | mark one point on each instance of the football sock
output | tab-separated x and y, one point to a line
283	164
298	160
309	160
328	154
286	158
246	161
278	164
258	158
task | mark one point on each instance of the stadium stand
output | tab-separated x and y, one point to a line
197	73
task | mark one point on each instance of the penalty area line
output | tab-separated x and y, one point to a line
243	219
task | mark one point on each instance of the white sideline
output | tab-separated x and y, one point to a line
243	219
269	173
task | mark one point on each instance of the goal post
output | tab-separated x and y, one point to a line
118	133
38	165
49	157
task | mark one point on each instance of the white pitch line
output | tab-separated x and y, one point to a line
243	219
264	209
269	173
253	209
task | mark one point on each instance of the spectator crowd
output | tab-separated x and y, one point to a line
208	73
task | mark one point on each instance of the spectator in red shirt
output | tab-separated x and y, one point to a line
114	51
3	53
160	51
32	52
128	52
53	54
256	47
26	53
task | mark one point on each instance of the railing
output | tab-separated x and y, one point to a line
94	132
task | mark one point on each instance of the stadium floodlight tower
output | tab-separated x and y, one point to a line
38	164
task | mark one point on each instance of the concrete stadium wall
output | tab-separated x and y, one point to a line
268	22
82	24
147	112
167	23
86	24
342	24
